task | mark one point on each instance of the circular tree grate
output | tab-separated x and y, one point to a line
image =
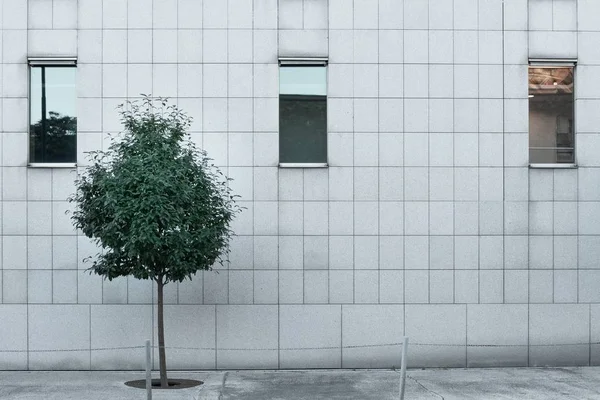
173	384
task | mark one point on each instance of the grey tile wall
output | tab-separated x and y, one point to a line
427	222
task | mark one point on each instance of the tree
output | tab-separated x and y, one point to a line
154	203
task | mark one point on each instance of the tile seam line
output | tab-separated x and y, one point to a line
378	161
28	365
503	160
528	234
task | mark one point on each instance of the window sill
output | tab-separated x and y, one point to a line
554	166
52	165
303	165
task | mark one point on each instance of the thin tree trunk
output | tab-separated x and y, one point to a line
161	336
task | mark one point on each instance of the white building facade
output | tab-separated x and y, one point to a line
427	168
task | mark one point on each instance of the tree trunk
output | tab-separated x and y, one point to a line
161	336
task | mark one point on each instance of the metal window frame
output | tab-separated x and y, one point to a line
51	61
306	62
45	62
303	61
558	63
303	165
552	62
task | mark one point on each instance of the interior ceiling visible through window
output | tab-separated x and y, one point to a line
556	80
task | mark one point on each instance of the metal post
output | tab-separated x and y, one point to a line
403	367
148	371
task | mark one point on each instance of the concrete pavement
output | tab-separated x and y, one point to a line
430	384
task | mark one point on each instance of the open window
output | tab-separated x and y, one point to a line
303	112
52	112
551	113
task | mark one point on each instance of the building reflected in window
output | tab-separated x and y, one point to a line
302	113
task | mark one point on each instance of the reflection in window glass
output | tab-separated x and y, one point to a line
303	114
551	130
53	121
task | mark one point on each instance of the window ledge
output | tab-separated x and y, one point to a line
303	165
554	166
52	165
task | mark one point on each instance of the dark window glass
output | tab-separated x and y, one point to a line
551	129
303	114
53	122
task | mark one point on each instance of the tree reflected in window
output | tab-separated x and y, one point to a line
53	140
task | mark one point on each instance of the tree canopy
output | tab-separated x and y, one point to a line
153	202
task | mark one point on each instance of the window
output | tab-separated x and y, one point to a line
52	117
303	112
551	111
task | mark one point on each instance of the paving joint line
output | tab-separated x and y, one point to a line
425	388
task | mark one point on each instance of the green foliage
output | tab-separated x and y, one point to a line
154	202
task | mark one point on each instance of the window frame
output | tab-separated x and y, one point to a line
308	62
555	63
46	62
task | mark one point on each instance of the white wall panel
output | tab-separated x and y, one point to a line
427	137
